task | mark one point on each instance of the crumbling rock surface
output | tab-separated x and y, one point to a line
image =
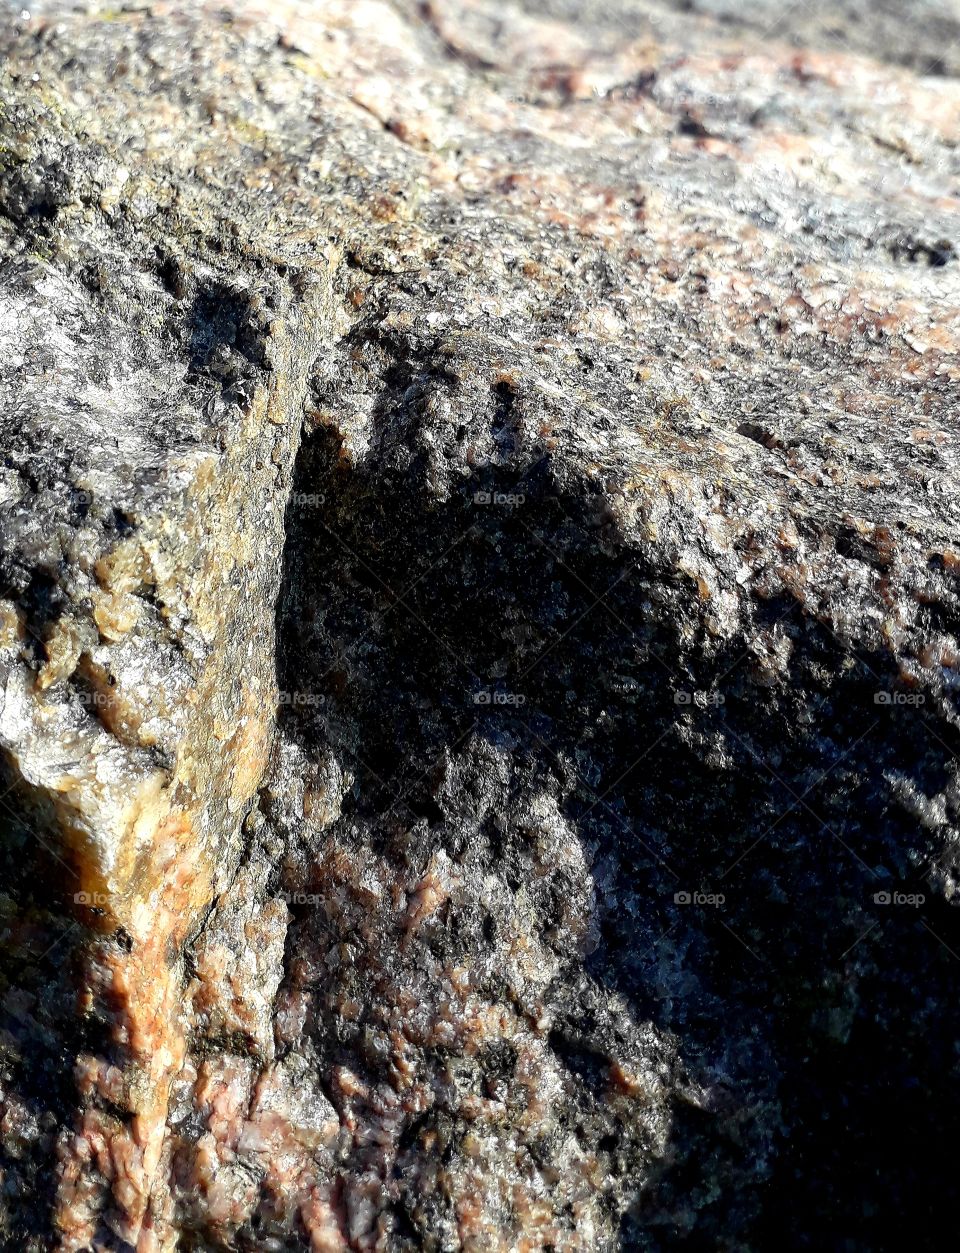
479	559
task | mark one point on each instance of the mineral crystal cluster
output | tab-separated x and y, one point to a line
479	612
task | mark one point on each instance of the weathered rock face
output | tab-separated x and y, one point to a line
479	558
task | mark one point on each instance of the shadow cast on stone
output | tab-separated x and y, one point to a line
752	865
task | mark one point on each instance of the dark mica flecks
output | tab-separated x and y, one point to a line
479	573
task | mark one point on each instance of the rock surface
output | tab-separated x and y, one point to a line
479	571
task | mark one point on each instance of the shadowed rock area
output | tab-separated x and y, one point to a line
479	587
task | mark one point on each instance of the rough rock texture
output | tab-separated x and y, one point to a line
479	562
